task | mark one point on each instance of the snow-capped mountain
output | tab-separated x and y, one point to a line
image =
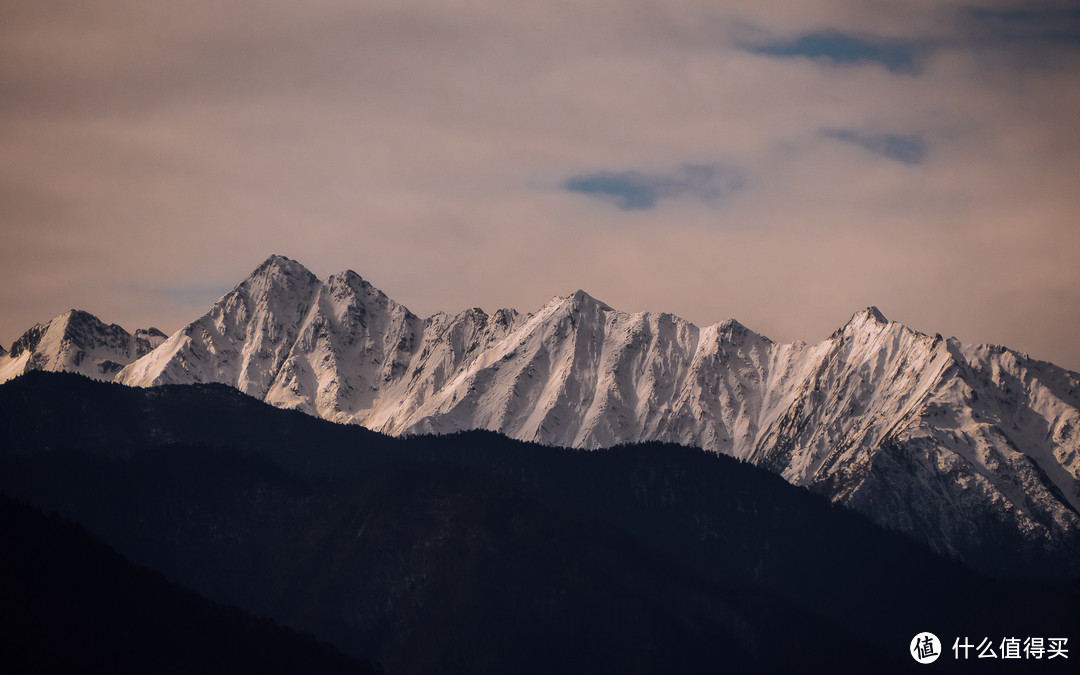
147	339
77	342
968	448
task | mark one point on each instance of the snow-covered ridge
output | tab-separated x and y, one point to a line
78	342
922	434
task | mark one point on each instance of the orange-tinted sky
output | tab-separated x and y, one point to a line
785	163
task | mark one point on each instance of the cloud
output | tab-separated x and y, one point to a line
842	49
148	147
904	148
1030	24
635	190
1021	37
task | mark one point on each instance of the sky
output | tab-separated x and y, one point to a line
783	162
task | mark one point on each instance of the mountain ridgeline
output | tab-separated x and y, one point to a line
972	449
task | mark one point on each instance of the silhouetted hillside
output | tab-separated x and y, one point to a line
475	553
69	604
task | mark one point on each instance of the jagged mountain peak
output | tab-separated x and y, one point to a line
577	301
869	321
351	280
277	284
875	313
63	327
77	319
350	294
503	317
75	315
274	274
28	341
148	339
75	341
869	316
733	331
349	277
280	263
580	297
475	315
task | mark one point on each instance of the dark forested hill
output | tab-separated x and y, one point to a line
69	604
476	553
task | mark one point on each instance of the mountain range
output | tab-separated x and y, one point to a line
971	449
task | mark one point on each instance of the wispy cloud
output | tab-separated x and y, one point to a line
1029	24
638	190
904	148
843	49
